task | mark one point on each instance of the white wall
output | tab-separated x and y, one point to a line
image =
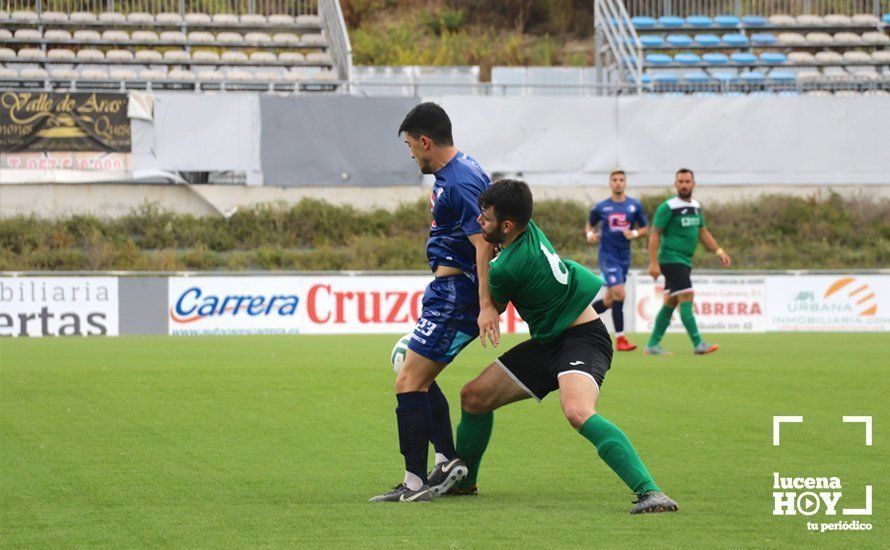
761	140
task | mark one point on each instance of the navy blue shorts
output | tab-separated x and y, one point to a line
614	272
448	320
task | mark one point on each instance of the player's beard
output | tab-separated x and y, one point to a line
495	237
425	165
685	196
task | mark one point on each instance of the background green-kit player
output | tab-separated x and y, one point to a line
569	350
677	228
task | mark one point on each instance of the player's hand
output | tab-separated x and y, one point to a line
628	234
593	237
654	270
489	326
724	258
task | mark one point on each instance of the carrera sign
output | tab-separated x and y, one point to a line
338	304
58	306
829	303
234	305
723	303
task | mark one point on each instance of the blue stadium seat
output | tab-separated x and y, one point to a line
687	58
754	21
763	39
658	59
726	21
714	58
643	22
707	39
646	79
736	40
743	58
698	76
725	76
679	40
753	76
773	57
886	18
698	21
671	22
651	40
665	78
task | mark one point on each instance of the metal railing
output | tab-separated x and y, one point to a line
239	7
711	8
714	87
338	36
610	20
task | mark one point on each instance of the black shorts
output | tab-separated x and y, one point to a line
677	278
584	349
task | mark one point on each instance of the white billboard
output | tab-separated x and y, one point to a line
363	304
373	304
234	305
723	303
337	304
828	303
58	306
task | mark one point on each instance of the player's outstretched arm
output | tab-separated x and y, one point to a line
654	240
711	244
489	323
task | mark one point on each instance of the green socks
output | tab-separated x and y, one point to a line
688	318
473	434
662	320
617	451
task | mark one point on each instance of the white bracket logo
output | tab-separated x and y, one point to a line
777	425
863	420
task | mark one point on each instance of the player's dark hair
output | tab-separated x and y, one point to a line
430	120
510	199
614	172
685	171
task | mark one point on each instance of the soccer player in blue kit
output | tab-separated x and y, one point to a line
623	220
456	305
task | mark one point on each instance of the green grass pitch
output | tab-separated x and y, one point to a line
279	442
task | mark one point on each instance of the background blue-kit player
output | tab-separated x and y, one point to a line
621	219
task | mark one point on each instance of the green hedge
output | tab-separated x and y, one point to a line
773	232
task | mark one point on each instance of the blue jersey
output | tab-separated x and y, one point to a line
454	202
616	218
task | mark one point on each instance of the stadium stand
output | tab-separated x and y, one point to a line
295	46
651	45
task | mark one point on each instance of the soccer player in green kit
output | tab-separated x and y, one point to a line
570	349
677	227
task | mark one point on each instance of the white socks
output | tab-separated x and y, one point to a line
412	481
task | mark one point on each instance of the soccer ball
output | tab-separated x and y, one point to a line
397	357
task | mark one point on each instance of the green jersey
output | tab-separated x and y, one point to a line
679	222
549	293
